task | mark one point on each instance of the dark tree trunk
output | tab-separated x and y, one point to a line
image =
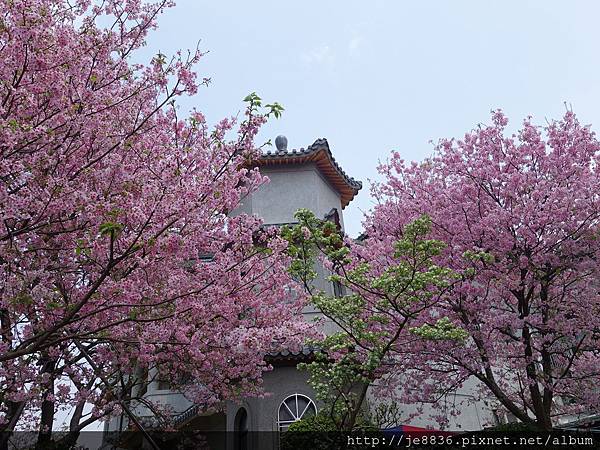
13	414
44	440
357	407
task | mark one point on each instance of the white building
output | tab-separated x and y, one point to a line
305	178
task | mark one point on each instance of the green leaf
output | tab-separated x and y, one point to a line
110	228
443	329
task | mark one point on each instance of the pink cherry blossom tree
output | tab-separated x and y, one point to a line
118	253
520	216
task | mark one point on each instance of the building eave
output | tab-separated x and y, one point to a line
319	154
291	358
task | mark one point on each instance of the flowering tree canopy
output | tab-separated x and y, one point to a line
383	313
117	248
520	216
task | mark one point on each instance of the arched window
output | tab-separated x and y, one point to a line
294	408
240	428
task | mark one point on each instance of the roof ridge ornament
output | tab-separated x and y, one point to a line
281	143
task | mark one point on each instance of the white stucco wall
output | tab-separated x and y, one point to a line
290	188
475	412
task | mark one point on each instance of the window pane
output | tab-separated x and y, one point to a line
294	408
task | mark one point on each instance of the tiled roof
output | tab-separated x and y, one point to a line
285	356
320	154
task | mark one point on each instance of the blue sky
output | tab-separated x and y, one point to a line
376	76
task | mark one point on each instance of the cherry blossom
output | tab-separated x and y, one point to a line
119	257
520	216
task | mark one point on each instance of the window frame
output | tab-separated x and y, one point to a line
284	424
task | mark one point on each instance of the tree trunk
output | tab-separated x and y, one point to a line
13	414
44	440
357	407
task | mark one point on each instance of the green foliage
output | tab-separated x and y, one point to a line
307	239
320	432
110	228
316	432
443	329
254	101
81	247
22	299
373	316
319	423
274	109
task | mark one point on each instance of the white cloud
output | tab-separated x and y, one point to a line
355	44
321	55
